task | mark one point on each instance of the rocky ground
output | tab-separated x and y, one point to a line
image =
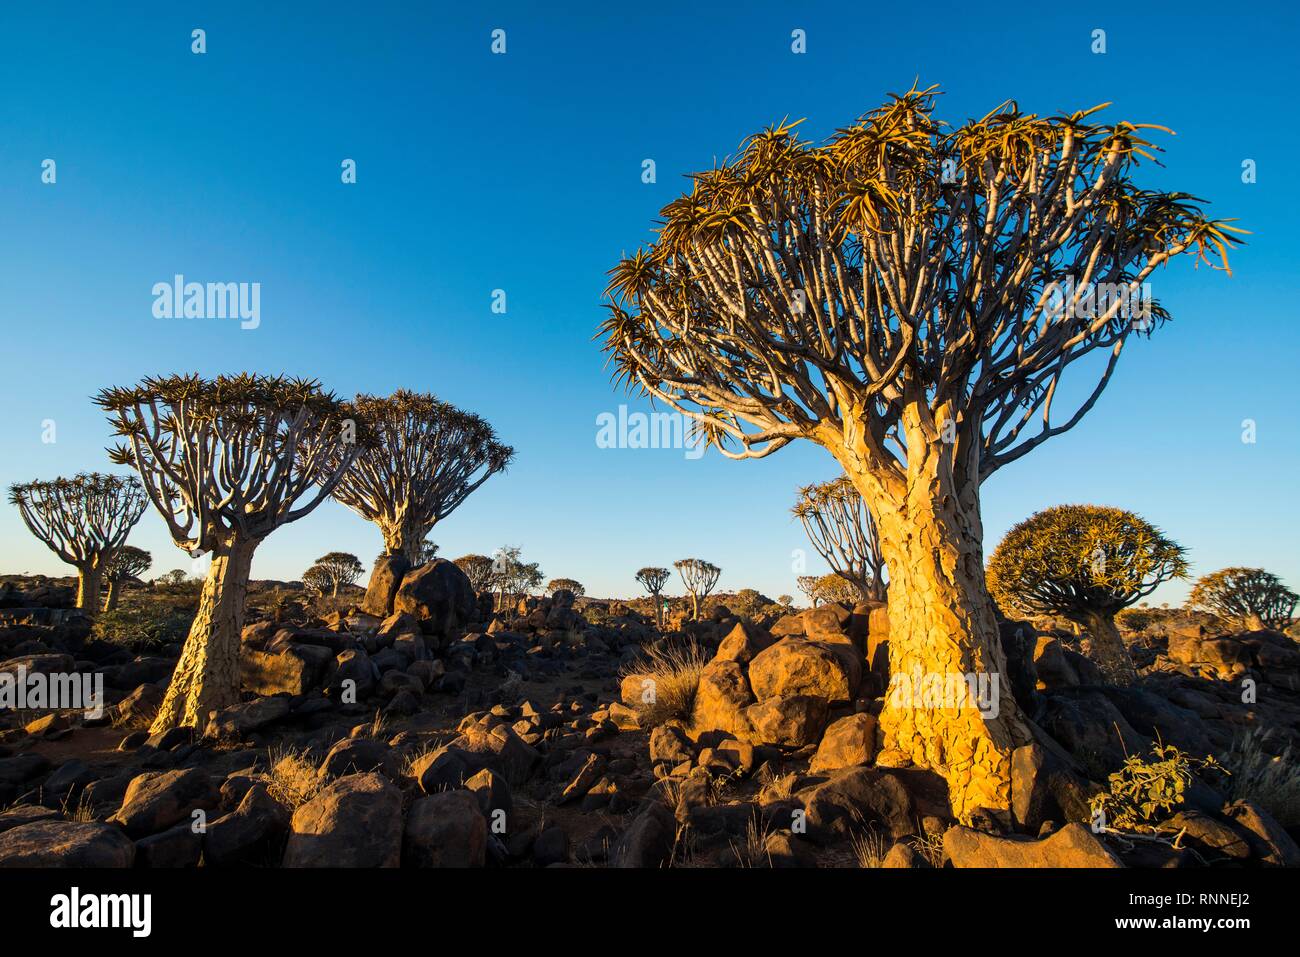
420	729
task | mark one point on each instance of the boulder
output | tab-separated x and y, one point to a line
721	698
238	720
789	721
1044	788
669	745
795	666
250	834
847	742
385	579
742	643
648	840
439	594
492	792
354	822
355	755
828	622
65	844
293	670
445	830
860	795
155	801
1072	846
1269	842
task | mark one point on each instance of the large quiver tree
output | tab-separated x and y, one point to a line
84	520
226	462
426	459
1249	597
699	578
909	297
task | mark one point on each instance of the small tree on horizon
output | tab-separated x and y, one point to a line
1084	563
427	457
653	579
808	584
565	584
699	577
125	563
226	461
318	580
339	568
83	520
1250	597
910	296
478	569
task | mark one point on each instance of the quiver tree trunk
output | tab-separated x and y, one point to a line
943	629
206	678
405	537
1107	648
114	593
89	576
1254	622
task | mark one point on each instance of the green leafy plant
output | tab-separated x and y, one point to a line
1144	794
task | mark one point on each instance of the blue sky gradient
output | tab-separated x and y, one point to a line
522	172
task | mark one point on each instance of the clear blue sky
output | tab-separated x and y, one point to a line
523	172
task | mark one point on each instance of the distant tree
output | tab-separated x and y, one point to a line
910	295
841	529
699	577
653	579
83	520
1251	597
125	563
226	462
1084	563
428	551
319	580
172	579
808	585
427	458
514	578
785	600
478	569
835	587
565	584
341	568
748	601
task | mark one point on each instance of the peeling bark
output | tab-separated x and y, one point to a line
207	676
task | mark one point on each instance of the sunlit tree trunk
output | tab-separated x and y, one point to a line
404	537
943	624
114	593
89	576
207	676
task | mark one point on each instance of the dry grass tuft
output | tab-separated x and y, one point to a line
1270	781
674	677
293	778
870	848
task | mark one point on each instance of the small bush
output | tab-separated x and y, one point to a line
144	628
1143	794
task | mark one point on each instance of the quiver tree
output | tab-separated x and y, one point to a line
840	527
339	568
1084	563
565	584
808	584
428	551
318	580
909	296
478	569
653	579
83	520
427	457
513	577
226	462
1249	597
699	577
125	563
835	587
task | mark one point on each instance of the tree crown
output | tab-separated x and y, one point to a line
1076	560
1240	593
903	281
82	517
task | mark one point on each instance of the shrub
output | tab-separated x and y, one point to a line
1268	780
140	629
1143	794
293	779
